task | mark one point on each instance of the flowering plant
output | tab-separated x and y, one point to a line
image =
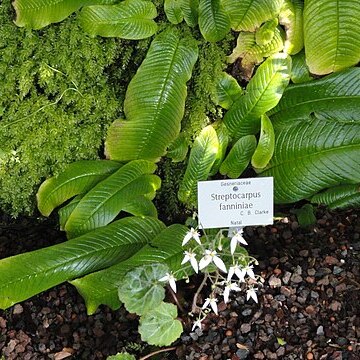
226	266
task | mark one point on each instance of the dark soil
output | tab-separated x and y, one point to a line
308	307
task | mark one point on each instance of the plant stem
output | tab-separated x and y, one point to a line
157	352
194	306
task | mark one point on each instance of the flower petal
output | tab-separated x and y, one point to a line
205	261
219	263
194	264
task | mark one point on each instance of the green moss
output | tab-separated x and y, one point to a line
200	109
59	91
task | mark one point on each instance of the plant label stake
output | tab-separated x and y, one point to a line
237	202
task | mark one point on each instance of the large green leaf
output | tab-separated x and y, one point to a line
36	14
190	9
78	177
174	11
178	149
102	286
299	71
317	130
250	14
313	155
202	157
239	157
155	100
25	275
214	22
160	326
339	197
262	94
105	200
251	52
266	144
336	95
331	34
228	91
130	19
291	16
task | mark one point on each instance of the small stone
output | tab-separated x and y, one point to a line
314	294
274	281
309	356
296	278
304	253
286	277
242	354
320	331
18	309
310	279
337	270
246	312
245	328
311	272
273	260
335	306
280	351
228	333
341	341
324	281
286	291
310	309
287	235
340	288
330	260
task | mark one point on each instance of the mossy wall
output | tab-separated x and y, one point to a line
59	91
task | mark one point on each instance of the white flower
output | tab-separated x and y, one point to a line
249	270
211	256
197	324
250	293
212	302
240	273
170	279
190	256
191	234
229	287
237	238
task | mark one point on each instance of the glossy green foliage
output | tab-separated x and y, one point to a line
223	138
331	35
334	96
214	21
79	177
265	147
35	14
178	149
239	157
228	91
160	326
141	290
174	11
299	71
339	197
317	134
247	15
291	17
265	33
201	159
262	94
99	206
57	98
155	100
178	10
130	19
102	287
252	53
25	275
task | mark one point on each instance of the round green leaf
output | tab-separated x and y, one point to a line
140	290
159	326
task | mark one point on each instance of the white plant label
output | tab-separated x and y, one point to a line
238	202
